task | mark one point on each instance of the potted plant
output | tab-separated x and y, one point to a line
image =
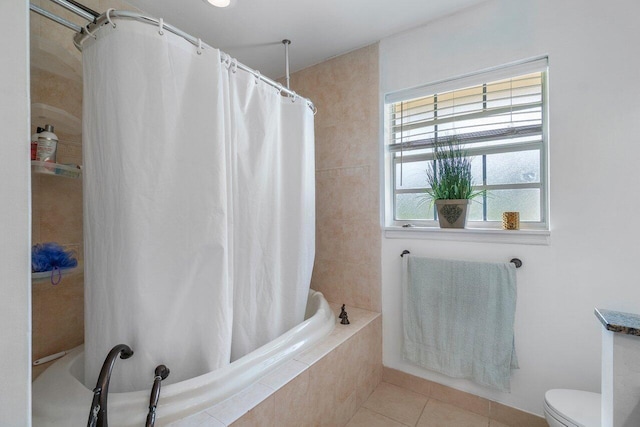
451	184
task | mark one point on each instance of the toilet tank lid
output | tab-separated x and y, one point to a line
580	407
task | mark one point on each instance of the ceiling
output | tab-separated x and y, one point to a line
252	30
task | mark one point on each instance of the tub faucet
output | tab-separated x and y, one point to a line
162	372
344	316
98	412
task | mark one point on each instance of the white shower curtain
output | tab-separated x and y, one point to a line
198	204
273	173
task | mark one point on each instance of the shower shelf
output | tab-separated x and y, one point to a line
46	275
62	121
56	169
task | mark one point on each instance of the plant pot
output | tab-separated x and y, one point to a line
452	213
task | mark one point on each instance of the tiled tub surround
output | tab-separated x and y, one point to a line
324	386
333	385
60	397
620	368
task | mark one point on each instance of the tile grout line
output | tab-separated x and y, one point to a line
422	412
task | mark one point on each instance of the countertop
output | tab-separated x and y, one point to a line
617	321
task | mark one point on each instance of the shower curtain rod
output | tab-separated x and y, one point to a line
96	21
55	18
105	18
77	8
72	6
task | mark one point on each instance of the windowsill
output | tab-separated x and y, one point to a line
484	235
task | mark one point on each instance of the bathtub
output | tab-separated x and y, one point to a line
61	399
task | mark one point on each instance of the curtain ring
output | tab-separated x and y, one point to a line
234	65
109	17
199	47
257	76
294	97
279	88
161	26
86	28
227	60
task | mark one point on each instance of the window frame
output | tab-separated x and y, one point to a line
512	70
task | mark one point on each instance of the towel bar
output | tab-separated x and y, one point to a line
516	261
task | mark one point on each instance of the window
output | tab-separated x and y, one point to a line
499	118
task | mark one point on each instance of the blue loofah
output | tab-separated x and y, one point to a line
48	256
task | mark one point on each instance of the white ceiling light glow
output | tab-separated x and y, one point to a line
219	3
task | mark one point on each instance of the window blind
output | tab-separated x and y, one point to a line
500	111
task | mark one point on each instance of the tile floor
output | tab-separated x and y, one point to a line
392	406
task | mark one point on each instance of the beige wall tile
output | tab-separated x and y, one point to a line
52	31
347	362
328	196
58	317
327	278
368	360
514	417
292	402
322	378
356	235
351	370
345	409
397	403
69	152
61	217
357	280
439	414
51	89
52	56
36	208
345	91
332	387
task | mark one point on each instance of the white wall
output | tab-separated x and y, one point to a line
592	259
15	211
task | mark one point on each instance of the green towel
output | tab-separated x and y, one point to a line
458	318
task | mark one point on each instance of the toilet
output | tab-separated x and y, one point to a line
572	408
